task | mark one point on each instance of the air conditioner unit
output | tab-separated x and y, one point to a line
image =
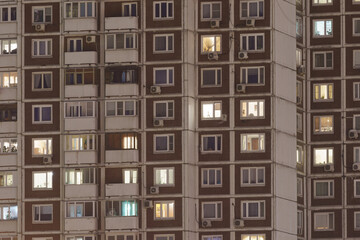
148	204
300	70
214	24
158	123
224	117
329	168
40	27
242	55
353	134
239	223
250	23
240	88
206	223
213	56
154	190
155	89
356	167
47	160
90	39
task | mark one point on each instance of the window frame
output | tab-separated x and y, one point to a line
319	132
93	10
258	101
167	43
167	176
77	104
356	228
325	62
211	237
43	8
216	218
211	18
42	81
249	184
246	81
124	46
327	156
330	188
168	236
255	35
12	78
9	14
321	4
252	235
10	147
7	43
259	142
215	69
247	10
89	137
80	202
40	114
299	122
299	186
116	102
8	206
328	221
130	5
245	215
202	103
168	71
68	171
47	173
47	41
167	11
323	20
299	154
5	175
47	146
215	36
208	185
354	92
132	177
161	218
216	136
167	117
319	85
40	221
168	136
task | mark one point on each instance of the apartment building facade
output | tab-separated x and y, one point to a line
152	120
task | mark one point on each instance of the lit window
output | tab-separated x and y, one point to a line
164	76
357	188
211	177
163	10
80	142
299	122
252	108
74	44
121	41
323	124
299	155
80	9
126	208
42	14
253	237
80	109
211	110
42	180
299	94
356	157
80	209
41	47
79	76
163	43
299	57
8	46
129	141
210	11
42	81
323	28
211	143
253	142
8	145
212	210
323	156
253	176
121	141
324	189
87	237
356	58
217	237
164	237
321	2
121	108
356	1
42	114
8	213
211	77
323	60
6	179
130	175
42	213
164	143
8	79
164	176
300	219
211	44
80	176
42	146
253	209
252	9
252	42
252	75
356	87
299	26
323	92
129	10
299	187
8	14
324	221
120	236
164	210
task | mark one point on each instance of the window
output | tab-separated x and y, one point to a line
211	44
86	237
42	81
252	42
8	46
212	210
8	79
299	187
253	142
217	237
253	176
164	176
356	1
211	143
356	154
252	75
121	141
164	143
323	156
121	41
42	47
164	210
6	179
323	124
79	109
253	209
323	60
323	28
211	177
74	44
8	145
8	113
80	176
357	220
79	76
80	209
42	146
120	236
299	60
164	109
356	26
129	10
299	94
210	11
210	77
115	76
323	189
42	180
323	92
42	213
356	87
299	122
321	2
42	14
129	141
299	155
253	237
323	221
164	237
356	58
126	208
252	109
8	14
130	175
356	188
42	114
163	43
121	108
86	142
300	217
252	9
164	76
80	9
8	212
163	10
356	122
211	110
299	26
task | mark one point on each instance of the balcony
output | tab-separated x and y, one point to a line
8	93
8	27
122	89
121	56
8	159
7	127
7	193
8	226
80	123
122	156
77	58
81	157
121	223
115	23
81	190
113	123
121	189
8	60
80	24
86	90
81	224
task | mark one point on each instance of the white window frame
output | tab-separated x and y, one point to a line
8	218
356	85
12	78
214	110
212	237
356	149
75	43
216	150
328	221
245	215
7	182
133	175
356	181
49	174
356	226
216	203
89	137
328	149
93	9
124	46
215	38
258	102
167	50
259	136
8	148
168	180
355	117
247	10
317	2
163	203
42	74
79	237
169	116
116	235
168	236
320	85
48	150
77	106
249	183
7	47
353	26
325	62
43	8
211	18
40	114
39	206
47	42
83	203
123	102
168	150
169	71
9	13
79	178
330	187
299	186
320	127
325	21
217	72
255	35
250	236
130	8
260	69
168	17
216	171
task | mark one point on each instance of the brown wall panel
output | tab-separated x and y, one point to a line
224	55
265	22
265	55
336	158
225	153
334	7
351	199
337	233
42	61
176	155
258	222
225	109
176	122
168	23
336	31
335	136
224	23
150	235
267	234
54	226
42	127
177	188
53	93
266	88
225	180
223	89
334	72
336	200
42	193
177	222
52	27
225	222
249	189
241	122
350	6
266	155
335	103
35	160
151	56
176	88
